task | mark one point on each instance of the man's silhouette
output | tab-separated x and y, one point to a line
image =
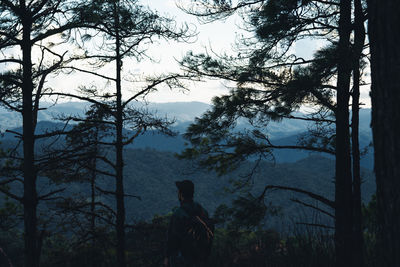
178	251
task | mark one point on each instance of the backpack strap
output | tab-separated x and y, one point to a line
198	218
209	232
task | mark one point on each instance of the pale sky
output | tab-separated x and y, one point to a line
218	36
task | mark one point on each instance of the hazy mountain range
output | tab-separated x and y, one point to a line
285	132
151	168
182	112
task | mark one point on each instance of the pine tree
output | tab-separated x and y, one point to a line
127	29
27	27
273	84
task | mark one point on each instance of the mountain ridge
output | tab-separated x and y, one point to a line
285	132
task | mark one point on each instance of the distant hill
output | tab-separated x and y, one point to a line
150	174
182	112
283	133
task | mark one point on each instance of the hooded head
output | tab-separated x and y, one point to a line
186	189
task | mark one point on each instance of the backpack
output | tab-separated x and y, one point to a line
198	236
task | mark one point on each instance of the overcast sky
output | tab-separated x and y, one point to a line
218	36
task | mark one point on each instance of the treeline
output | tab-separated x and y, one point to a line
235	244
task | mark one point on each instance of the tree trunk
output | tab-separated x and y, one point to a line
358	235
93	201
30	195
359	38
121	259
343	189
384	35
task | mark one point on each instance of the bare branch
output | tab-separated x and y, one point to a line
14	132
8	105
313	207
88	99
107	192
90	72
46	196
320	198
316	225
130	140
9	194
11	60
307	148
315	149
15	179
152	85
308	119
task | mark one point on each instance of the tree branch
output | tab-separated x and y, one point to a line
316	225
11	60
11	195
313	207
320	198
46	196
90	72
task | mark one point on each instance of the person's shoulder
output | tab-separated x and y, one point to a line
201	208
179	212
197	205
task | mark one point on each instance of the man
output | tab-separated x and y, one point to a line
181	248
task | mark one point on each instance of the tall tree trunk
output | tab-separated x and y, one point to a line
30	195
93	202
343	191
121	259
358	235
384	35
359	38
